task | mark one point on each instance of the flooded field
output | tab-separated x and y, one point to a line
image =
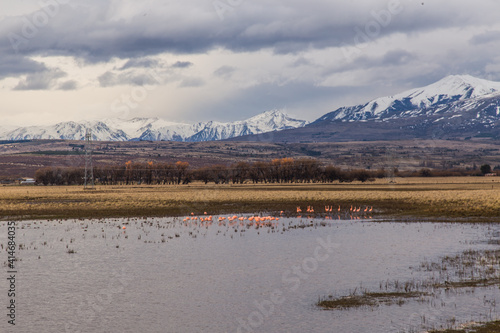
235	274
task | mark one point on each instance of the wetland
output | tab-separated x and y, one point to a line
253	273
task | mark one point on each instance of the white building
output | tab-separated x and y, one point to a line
28	181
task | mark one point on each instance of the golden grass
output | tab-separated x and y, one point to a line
471	198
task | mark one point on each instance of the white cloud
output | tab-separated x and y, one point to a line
262	55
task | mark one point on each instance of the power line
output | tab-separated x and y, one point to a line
89	168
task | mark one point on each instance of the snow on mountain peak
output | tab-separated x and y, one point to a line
155	129
274	120
445	91
464	85
453	87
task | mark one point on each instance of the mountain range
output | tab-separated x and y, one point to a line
445	96
455	107
155	129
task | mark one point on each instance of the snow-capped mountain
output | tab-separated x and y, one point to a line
262	123
458	107
68	130
155	129
6	128
434	98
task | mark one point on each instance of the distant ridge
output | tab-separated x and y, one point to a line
155	129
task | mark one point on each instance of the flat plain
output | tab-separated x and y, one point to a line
468	199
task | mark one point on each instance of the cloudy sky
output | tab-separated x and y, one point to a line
198	60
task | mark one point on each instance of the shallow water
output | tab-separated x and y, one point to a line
170	275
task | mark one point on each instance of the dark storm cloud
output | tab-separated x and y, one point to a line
99	30
224	72
301	62
140	63
308	100
15	66
182	64
486	37
396	57
191	82
110	79
40	80
68	85
94	31
391	58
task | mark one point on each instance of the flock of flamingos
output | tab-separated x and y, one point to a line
331	213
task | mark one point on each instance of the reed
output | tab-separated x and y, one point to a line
367	299
491	327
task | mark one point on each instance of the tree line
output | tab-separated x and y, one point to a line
284	170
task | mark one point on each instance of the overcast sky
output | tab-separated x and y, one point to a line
198	60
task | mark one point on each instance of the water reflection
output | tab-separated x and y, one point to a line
256	274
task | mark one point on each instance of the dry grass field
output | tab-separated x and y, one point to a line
461	199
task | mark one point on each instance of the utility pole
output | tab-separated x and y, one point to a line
89	167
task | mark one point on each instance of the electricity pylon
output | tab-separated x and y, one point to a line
89	167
